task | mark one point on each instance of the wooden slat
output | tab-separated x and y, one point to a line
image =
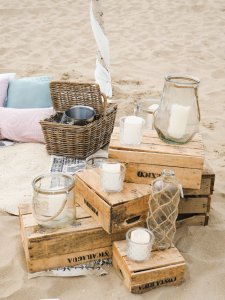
205	188
120	266
155	158
153	136
90	201
167	276
151	141
43	242
193	205
71	259
130	214
58	247
130	191
158	259
147	160
207	183
163	268
193	220
145	174
165	149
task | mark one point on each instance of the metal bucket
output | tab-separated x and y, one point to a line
78	115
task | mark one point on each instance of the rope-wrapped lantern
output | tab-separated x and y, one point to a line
163	209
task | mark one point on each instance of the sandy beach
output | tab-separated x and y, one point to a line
148	39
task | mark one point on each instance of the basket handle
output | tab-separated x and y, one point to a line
105	102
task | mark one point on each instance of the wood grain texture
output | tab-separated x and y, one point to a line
146	173
192	220
50	247
162	269
91	178
115	212
120	211
194	205
146	161
70	259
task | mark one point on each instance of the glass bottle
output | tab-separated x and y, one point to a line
177	119
163	209
146	109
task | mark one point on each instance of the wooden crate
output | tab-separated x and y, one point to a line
194	208
52	248
184	220
114	211
146	161
121	211
164	268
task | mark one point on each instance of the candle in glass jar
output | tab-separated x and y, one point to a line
111	177
139	247
132	131
151	109
178	120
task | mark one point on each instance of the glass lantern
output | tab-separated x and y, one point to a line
53	203
177	119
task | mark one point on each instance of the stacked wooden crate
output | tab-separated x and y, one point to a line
47	248
103	218
145	162
194	208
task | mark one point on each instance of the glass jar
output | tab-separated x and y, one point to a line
95	162
112	174
53	200
146	109
163	209
177	119
139	243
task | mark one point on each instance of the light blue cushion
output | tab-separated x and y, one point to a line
37	78
27	93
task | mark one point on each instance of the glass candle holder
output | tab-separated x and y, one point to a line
131	130
53	203
112	176
139	243
95	162
177	119
146	109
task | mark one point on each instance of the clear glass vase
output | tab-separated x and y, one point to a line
53	200
177	119
163	209
146	109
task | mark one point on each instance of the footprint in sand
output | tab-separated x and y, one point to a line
210	125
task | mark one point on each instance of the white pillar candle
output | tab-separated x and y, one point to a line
132	131
139	246
111	177
178	120
151	109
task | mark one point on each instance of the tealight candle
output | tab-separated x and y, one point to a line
139	243
131	128
112	175
151	109
178	120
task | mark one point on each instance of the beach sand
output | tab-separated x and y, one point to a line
148	39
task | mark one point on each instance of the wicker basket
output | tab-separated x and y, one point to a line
72	140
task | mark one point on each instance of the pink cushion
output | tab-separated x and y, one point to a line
22	125
3	90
